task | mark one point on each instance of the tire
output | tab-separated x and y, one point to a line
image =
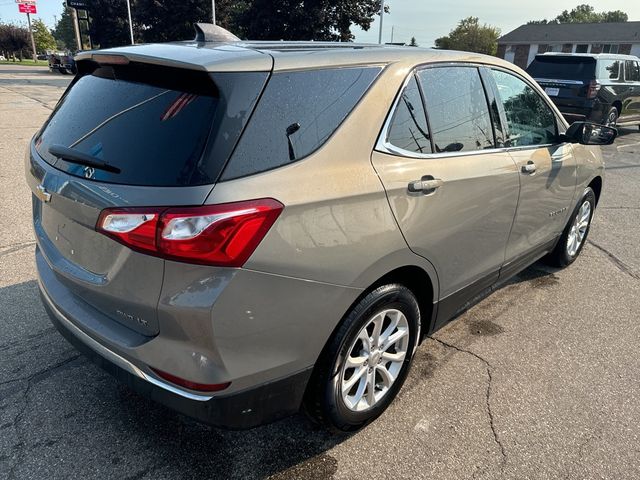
611	119
324	401
565	252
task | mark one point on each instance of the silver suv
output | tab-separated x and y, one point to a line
241	229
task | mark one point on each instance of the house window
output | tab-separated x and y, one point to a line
610	48
582	48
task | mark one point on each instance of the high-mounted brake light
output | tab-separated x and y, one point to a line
106	59
222	235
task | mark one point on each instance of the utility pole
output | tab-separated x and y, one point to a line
130	22
381	19
76	27
213	11
33	42
392	27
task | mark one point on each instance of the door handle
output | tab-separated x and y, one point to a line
529	168
426	184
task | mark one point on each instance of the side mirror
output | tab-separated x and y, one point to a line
587	133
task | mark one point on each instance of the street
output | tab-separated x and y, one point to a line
537	381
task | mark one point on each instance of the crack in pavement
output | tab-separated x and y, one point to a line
492	425
16	247
620	208
623	267
27	96
25	400
30	378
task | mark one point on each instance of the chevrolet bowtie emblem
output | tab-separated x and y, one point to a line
42	194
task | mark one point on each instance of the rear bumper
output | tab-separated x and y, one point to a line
246	409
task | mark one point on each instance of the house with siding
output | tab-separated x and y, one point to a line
521	45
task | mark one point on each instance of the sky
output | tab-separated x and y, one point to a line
425	20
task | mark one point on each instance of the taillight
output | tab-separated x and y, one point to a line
592	89
223	235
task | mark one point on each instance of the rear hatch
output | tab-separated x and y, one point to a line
129	134
565	79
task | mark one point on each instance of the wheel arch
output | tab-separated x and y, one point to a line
596	186
618	105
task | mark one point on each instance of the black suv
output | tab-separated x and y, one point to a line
602	88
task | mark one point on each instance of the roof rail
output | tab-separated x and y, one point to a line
208	32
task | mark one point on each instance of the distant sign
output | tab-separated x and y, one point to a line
27	8
26	1
82	4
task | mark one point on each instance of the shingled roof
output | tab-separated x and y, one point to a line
625	32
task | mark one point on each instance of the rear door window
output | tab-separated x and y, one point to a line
295	116
408	128
610	69
159	126
457	109
530	120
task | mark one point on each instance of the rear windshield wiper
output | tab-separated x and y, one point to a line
74	156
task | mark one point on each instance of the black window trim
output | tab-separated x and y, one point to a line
559	121
383	145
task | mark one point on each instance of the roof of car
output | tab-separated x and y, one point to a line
268	55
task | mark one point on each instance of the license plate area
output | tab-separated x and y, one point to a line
552	91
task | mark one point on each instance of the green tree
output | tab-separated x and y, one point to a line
64	32
109	22
14	41
471	36
306	20
586	14
42	36
413	42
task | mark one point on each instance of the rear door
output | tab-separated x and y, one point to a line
546	167
632	81
164	134
452	190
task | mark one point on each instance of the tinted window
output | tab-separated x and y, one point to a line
563	67
408	129
610	69
457	109
152	123
529	119
582	48
297	113
632	71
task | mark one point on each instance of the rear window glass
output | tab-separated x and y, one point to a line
563	68
457	109
160	126
297	113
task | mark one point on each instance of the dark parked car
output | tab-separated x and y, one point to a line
63	63
602	88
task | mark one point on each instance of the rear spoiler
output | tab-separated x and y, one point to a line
208	32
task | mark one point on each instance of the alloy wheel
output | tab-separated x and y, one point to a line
579	229
374	360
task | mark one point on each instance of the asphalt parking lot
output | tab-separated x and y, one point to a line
538	381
